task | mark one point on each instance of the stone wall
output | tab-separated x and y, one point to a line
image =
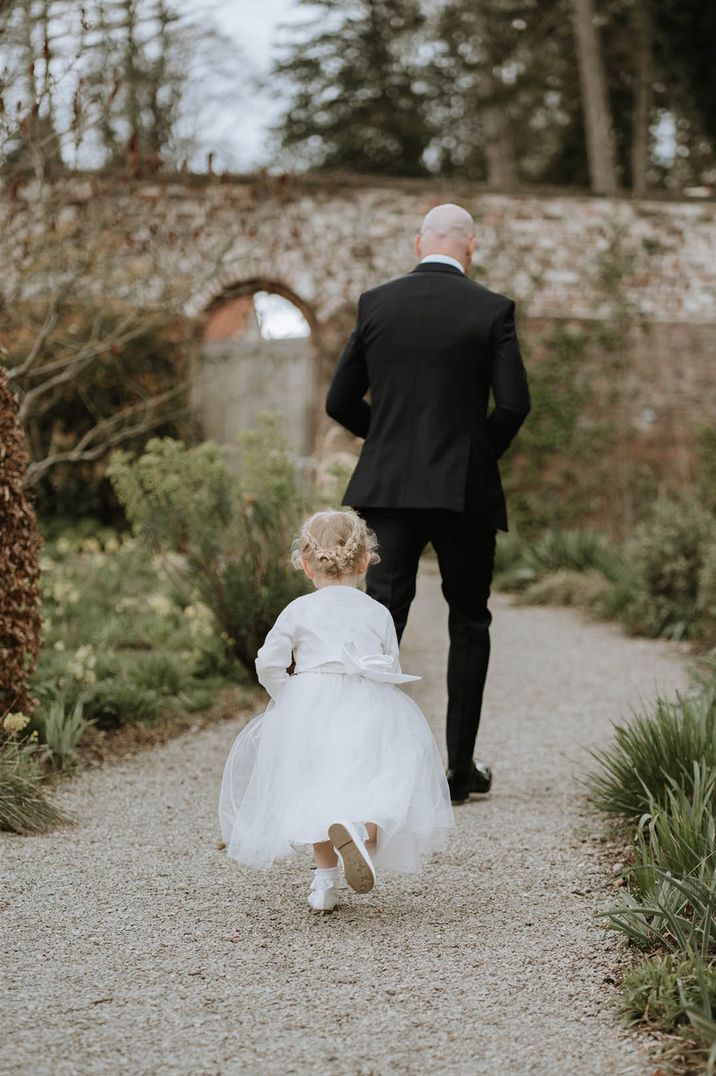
322	241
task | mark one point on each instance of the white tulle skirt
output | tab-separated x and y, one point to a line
335	746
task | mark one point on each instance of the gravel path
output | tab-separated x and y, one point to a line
136	947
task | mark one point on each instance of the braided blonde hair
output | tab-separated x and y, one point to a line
334	542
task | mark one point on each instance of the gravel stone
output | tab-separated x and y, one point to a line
134	945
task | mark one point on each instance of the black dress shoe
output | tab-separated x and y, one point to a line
480	778
459	785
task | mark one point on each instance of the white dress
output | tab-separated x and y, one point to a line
338	741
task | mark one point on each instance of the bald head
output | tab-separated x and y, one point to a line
447	229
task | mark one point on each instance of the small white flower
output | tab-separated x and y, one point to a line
160	604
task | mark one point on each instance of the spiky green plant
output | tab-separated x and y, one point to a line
63	727
678	834
654	751
577	551
679	914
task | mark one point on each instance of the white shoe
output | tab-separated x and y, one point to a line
323	896
357	866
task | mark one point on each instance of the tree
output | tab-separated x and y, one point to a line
595	102
34	40
357	99
473	93
110	82
73	303
643	79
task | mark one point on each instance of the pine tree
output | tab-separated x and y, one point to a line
358	102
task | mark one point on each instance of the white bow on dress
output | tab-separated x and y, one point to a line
377	667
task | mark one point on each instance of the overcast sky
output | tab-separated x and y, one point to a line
253	26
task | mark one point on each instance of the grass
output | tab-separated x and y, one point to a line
662	990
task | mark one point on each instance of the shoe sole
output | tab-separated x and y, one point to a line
357	872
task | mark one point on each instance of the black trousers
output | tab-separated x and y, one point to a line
466	556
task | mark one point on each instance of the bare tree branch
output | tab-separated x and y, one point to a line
113	431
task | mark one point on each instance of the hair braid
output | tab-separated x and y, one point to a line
334	543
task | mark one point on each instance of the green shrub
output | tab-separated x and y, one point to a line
232	535
166	674
522	566
509	550
153	654
586	590
576	551
664	561
545	476
705	672
24	807
62	727
117	702
653	753
705	628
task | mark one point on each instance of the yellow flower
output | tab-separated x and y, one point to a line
15	722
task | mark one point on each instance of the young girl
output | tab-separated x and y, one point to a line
341	759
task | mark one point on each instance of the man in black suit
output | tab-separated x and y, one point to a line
429	347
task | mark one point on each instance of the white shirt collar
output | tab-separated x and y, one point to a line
444	259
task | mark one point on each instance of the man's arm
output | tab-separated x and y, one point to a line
345	402
509	385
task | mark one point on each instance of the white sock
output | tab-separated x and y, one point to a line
326	874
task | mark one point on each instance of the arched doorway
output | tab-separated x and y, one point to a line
259	353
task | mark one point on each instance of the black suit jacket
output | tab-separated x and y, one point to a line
429	346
